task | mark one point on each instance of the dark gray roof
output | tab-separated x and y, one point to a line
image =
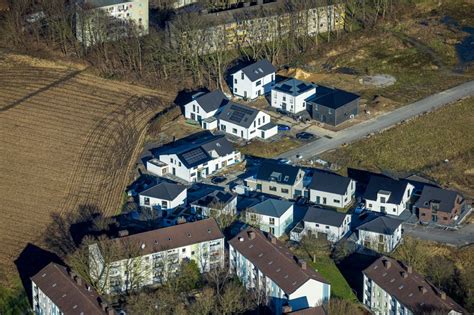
378	183
258	70
329	182
332	97
216	197
294	86
445	198
195	149
211	101
271	170
381	224
271	207
324	216
238	114
164	190
268	126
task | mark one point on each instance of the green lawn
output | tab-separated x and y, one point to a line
339	286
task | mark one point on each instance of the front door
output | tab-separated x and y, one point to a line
283	106
174	171
245	94
318	200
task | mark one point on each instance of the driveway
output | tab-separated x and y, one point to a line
382	122
464	235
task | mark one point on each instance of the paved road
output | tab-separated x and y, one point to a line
382	122
463	236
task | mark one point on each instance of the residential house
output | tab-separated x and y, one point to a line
390	287
439	205
387	195
254	80
194	157
245	122
148	258
278	179
271	215
331	189
102	20
215	203
382	233
332	106
320	222
204	106
163	196
59	290
290	95
264	264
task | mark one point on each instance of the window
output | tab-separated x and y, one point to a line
242	76
234	130
327	226
172	160
383	200
164	204
259	82
253	217
370	205
284	98
235	90
183	250
382	209
263	119
337	201
179	164
235	81
394	209
272	230
272	188
324	200
223	127
147	201
272	221
194	108
317	225
329	111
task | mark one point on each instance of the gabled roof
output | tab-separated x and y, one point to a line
216	198
258	70
382	225
386	184
175	236
445	198
271	207
211	101
238	114
164	190
68	291
329	182
294	87
324	216
271	170
409	287
273	259
332	97
196	149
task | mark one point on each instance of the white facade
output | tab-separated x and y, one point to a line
194	111
163	204
243	87
42	304
291	103
380	242
251	132
381	204
334	233
153	268
229	208
332	199
274	225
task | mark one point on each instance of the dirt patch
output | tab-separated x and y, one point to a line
378	80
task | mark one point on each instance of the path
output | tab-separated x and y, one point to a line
460	237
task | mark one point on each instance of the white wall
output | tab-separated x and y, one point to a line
294	104
193	107
334	233
261	119
179	200
390	241
312	290
281	223
390	208
343	200
246	88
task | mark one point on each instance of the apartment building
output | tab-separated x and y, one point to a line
148	258
58	290
263	263
390	287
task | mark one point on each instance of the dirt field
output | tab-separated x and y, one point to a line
67	138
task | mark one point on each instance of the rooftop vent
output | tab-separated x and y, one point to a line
251	235
302	264
423	290
387	264
143	246
409	269
404	275
241	239
442	295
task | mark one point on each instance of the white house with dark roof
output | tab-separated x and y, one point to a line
271	215
263	263
204	106
194	157
318	222
147	258
254	80
215	203
245	122
290	95
379	232
163	196
277	179
331	189
387	195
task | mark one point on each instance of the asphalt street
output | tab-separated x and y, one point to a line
381	122
463	236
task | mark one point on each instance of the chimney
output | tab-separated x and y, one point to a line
387	263
423	290
404	274
272	238
302	264
442	295
286	309
123	233
251	235
409	269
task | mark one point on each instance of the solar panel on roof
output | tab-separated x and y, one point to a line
237	116
194	156
241	109
285	87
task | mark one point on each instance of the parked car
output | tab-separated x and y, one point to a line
218	179
299	156
305	136
282	127
284	161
